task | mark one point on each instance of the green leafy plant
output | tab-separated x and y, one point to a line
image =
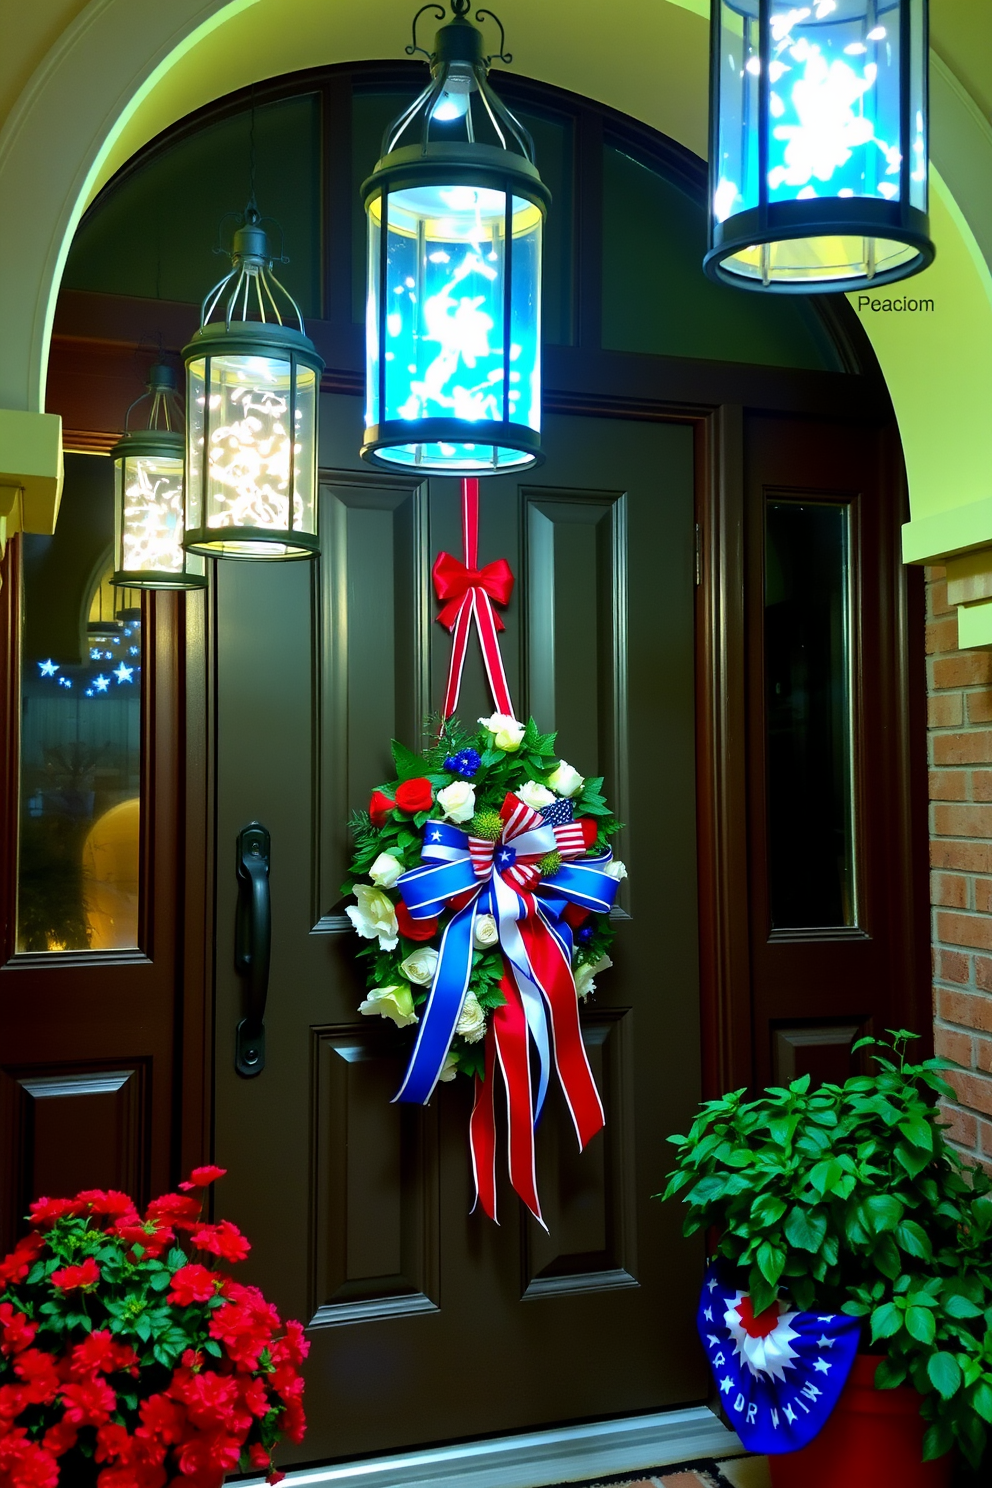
850	1199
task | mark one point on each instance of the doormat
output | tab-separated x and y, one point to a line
703	1474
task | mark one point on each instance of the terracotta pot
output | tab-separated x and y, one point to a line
873	1437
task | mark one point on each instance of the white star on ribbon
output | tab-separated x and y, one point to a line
825	1342
822	1366
726	1385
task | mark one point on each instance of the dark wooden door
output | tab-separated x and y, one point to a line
426	1322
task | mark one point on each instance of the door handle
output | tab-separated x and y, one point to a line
252	946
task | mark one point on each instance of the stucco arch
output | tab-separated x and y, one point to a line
123	70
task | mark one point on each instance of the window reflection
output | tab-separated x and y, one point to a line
80	738
808	715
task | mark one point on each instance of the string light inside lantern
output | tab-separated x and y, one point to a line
818	143
251	399
148	476
456	213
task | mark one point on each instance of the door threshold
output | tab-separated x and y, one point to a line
568	1454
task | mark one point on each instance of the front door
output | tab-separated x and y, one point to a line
428	1322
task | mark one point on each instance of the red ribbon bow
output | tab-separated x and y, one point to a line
452	581
466	590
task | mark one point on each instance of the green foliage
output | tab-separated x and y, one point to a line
850	1199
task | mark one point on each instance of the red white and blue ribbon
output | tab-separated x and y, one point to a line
476	876
467	592
778	1373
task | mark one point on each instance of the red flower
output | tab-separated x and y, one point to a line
47	1211
292	1421
181	1210
208	1455
590	830
85	1275
18	1330
112	1441
414	929
109	1201
259	1456
223	1239
17	1265
60	1438
255	1396
275	1476
89	1402
153	1238
100	1354
40	1377
161	1418
203	1177
23	1464
294	1346
379	808
191	1284
415	795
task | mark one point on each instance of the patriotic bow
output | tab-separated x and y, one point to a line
476	876
453	582
466	591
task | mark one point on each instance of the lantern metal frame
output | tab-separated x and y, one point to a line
457	66
872	218
251	281
153	442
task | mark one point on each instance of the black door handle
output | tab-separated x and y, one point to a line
252	946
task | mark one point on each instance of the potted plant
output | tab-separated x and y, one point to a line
128	1360
849	1200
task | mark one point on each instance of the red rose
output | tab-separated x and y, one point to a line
17	1265
192	1284
38	1373
69	1278
415	795
224	1240
17	1330
414	929
203	1177
60	1438
379	808
88	1403
590	830
110	1202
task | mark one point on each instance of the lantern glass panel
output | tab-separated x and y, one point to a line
250	471
149	517
824	85
445	314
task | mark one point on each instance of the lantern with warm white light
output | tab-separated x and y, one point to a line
455	217
818	143
148	478
252	381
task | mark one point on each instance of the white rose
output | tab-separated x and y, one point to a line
373	916
534	795
507	730
449	1068
472	1021
617	870
394	1002
457	801
584	983
385	871
419	966
565	780
485	933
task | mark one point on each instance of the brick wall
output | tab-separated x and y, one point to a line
959	686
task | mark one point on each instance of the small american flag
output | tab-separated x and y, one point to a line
568	833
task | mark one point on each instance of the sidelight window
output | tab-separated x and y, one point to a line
80	730
809	714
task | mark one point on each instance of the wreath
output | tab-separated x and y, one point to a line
483	878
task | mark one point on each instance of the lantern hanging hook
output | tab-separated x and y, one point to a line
502	55
413	49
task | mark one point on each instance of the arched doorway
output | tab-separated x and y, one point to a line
693	613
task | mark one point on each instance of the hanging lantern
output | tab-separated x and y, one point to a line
148	480
251	401
455	219
818	143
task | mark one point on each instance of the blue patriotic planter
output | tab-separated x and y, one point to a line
779	1374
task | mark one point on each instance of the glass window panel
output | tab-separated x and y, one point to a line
80	736
808	714
153	233
657	299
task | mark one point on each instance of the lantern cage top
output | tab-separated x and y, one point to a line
456	211
818	144
252	378
149	464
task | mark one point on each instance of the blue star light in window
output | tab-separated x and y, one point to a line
124	674
64	682
101	683
47	668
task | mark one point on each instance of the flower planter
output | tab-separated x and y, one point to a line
873	1437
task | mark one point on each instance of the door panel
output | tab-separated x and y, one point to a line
359	1209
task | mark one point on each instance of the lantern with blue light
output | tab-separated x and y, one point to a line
818	144
456	211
